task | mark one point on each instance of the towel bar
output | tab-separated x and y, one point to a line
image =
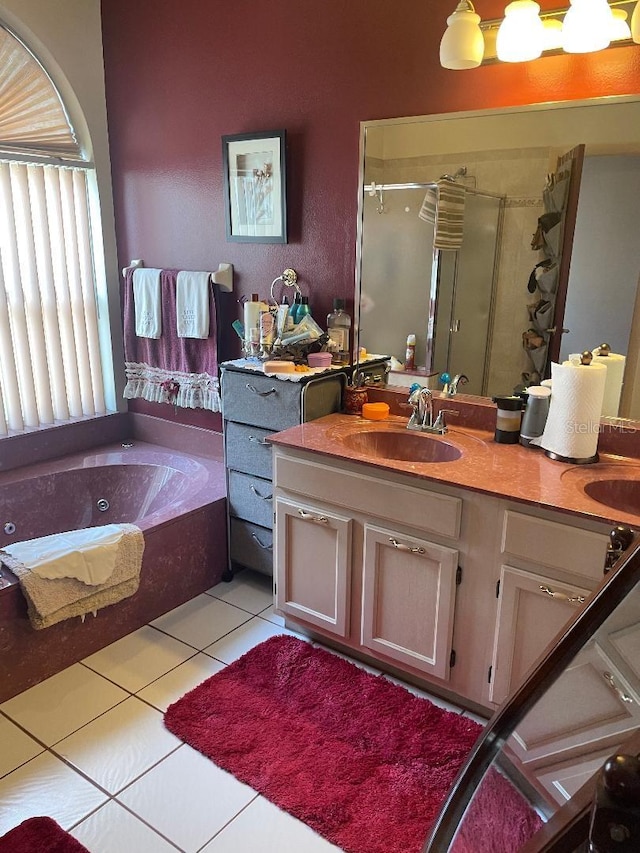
223	276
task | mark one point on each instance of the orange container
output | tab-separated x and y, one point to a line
375	411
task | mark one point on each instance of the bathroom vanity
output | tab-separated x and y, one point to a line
254	406
455	571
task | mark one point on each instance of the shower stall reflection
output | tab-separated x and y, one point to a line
449	295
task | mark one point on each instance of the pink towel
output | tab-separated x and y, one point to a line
183	371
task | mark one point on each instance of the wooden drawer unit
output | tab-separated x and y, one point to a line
554	545
254	406
420	509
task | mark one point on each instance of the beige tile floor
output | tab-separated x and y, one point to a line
88	747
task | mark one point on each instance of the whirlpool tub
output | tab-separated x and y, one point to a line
177	500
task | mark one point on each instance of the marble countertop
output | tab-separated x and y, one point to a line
506	471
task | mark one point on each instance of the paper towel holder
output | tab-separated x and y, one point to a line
586	357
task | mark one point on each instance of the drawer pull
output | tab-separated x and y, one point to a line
258	495
622	696
402	547
254	390
262	441
562	596
264	547
309	516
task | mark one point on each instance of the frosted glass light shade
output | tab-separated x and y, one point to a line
462	44
586	26
619	26
635	24
552	34
521	34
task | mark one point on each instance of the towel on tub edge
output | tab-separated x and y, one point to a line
51	600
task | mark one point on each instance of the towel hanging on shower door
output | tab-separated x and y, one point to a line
443	206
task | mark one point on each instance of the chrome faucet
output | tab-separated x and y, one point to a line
421	401
458	379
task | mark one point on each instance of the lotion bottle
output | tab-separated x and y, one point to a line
410	355
252	311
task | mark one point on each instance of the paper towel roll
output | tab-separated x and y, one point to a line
613	386
573	423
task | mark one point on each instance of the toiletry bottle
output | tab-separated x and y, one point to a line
303	308
293	311
338	327
252	311
282	317
410	355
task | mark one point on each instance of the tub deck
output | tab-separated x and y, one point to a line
185	554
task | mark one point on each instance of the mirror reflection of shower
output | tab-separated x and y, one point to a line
449	294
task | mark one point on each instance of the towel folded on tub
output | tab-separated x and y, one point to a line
88	555
52	599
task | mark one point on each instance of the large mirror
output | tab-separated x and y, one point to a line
482	309
579	706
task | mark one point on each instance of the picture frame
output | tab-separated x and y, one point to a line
254	170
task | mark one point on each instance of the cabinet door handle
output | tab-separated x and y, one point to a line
264	547
309	516
402	547
258	495
262	441
254	390
562	596
622	696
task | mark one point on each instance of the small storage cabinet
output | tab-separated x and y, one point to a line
254	406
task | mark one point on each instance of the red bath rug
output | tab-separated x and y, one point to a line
359	759
40	835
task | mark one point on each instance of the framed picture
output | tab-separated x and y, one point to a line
255	187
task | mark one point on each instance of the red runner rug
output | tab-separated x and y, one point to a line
40	835
359	759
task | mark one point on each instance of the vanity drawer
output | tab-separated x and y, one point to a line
251	498
253	399
557	546
247	450
421	509
251	546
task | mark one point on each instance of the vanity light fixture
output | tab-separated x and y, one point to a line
635	23
587	26
462	44
525	33
521	34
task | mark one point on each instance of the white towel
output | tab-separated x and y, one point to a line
192	304
146	302
443	206
87	555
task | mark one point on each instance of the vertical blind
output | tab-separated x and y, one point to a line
50	364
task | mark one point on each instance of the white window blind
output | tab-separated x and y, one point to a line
32	115
51	368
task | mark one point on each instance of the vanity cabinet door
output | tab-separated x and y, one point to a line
408	599
531	610
313	564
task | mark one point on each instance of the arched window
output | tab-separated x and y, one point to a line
51	333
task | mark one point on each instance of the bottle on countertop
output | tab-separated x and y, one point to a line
338	329
252	311
410	355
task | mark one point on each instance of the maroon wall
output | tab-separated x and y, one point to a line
180	75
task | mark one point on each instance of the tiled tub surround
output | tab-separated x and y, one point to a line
177	499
